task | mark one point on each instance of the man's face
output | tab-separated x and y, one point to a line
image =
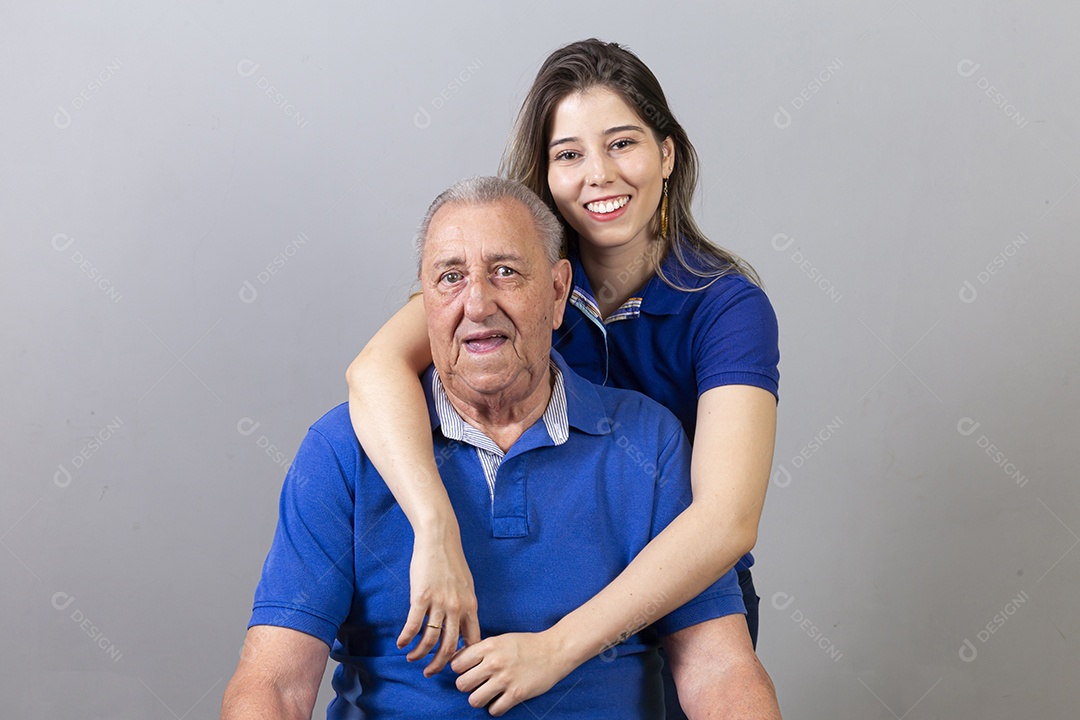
492	300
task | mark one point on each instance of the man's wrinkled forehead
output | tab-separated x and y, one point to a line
451	255
460	233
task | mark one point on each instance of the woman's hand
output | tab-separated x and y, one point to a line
511	668
441	594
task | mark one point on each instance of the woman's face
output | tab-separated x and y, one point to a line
605	169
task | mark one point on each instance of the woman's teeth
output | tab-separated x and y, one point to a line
605	206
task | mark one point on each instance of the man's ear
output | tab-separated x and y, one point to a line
560	278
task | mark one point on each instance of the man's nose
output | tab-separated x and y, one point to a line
479	300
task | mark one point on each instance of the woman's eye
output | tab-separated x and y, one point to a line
451	277
503	271
620	144
567	155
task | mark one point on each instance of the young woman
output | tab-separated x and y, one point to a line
655	308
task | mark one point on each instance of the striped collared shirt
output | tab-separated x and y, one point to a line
583	301
491	455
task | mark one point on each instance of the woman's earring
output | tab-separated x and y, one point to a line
663	212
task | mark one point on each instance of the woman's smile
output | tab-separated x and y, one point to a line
607	205
606	169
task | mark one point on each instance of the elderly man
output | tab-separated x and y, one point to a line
551	504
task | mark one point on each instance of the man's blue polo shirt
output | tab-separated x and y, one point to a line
674	345
564	521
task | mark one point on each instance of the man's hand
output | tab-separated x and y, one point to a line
510	668
441	595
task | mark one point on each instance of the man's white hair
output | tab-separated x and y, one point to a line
486	190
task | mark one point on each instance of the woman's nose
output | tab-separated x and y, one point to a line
600	170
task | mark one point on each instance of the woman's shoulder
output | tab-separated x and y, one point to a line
706	281
731	324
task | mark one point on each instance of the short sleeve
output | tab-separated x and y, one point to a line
736	338
673	495
307	580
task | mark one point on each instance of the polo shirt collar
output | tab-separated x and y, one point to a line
455	427
655	298
574	404
584	410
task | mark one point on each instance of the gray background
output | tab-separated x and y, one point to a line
851	152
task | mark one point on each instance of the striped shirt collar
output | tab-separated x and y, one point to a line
583	301
655	298
454	427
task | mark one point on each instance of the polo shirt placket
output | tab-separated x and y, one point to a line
655	294
506	474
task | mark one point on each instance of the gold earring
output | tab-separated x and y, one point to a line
663	212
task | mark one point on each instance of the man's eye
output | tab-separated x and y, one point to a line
451	277
503	271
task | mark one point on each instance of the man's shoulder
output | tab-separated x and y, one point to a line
331	441
336	428
607	406
639	415
622	400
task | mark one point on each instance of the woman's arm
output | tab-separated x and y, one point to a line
732	457
390	417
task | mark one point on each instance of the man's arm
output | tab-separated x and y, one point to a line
278	677
717	673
